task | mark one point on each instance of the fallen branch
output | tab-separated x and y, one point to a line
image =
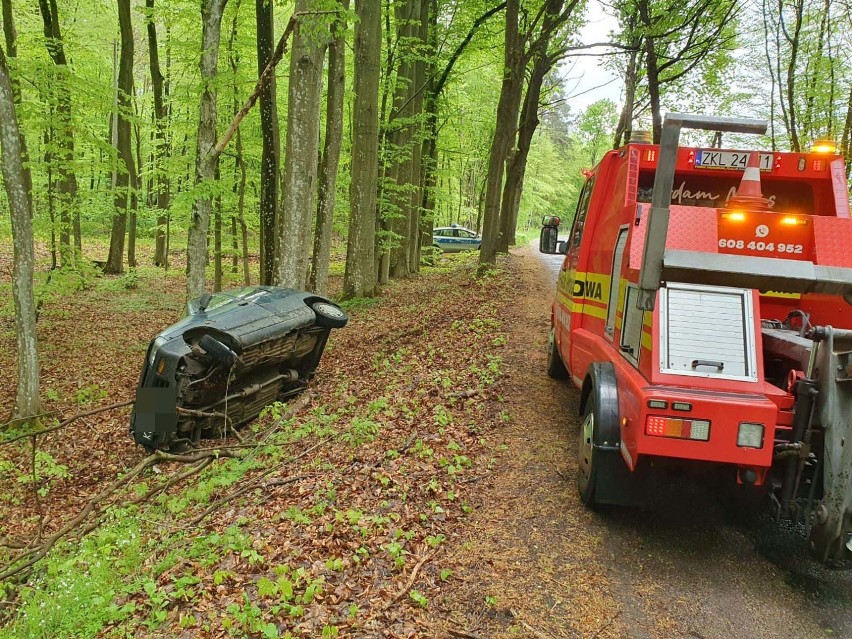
63	424
411	580
262	80
27	559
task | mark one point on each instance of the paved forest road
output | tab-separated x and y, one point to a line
538	564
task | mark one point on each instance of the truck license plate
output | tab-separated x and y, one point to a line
729	160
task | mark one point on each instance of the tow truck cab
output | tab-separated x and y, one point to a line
704	320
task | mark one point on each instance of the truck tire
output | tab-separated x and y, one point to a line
555	366
602	475
587	471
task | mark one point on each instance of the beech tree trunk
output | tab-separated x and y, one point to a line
11	36
416	192
513	187
300	163
270	158
504	133
401	138
239	220
206	160
64	156
14	180
161	181
330	159
126	173
360	277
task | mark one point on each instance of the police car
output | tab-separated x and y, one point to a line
455	238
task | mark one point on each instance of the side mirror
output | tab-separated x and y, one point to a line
547	241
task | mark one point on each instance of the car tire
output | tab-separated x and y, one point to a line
555	366
329	315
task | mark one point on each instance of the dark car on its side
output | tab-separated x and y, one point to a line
233	354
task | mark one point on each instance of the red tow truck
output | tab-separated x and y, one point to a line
703	310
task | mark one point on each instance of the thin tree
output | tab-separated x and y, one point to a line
330	159
125	178
304	111
160	177
27	396
63	155
238	220
270	155
360	276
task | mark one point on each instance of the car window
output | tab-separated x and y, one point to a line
465	233
440	232
453	232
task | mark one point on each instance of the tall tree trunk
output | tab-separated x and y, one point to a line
518	163
631	77
64	155
27	395
416	191
239	161
360	276
504	132
651	71
11	36
330	159
161	181
400	140
300	163
206	160
270	157
126	174
794	40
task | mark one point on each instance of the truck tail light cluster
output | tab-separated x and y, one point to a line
750	435
698	429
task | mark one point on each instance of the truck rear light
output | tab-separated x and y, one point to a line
697	429
658	404
750	435
685	406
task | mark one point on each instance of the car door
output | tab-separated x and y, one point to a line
467	239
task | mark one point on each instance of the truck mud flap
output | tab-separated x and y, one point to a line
831	528
616	485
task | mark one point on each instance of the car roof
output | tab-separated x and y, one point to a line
450	228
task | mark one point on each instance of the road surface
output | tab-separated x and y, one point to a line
695	564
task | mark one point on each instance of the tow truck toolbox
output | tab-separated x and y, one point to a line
703	309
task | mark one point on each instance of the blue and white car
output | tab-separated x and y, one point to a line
452	239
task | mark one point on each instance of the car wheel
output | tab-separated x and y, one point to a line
329	315
555	366
587	475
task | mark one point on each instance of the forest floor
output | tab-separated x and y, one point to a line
423	487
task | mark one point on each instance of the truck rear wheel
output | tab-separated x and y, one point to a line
587	473
555	366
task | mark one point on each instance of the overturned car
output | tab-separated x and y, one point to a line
233	354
